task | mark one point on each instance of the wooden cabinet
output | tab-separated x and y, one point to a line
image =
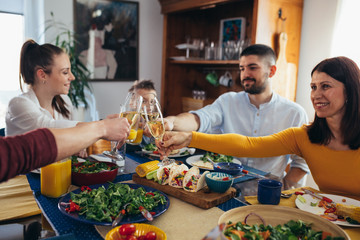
201	19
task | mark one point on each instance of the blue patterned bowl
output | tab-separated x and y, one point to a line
218	181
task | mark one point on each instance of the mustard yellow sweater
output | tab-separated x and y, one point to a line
335	172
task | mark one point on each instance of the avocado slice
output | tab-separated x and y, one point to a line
152	175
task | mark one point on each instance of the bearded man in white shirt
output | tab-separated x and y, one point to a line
256	111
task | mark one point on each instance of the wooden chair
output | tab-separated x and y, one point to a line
99	147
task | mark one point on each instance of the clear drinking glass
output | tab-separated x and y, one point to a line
131	111
155	123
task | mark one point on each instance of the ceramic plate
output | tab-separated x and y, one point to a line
186	46
319	210
127	219
191	151
192	159
275	215
179	58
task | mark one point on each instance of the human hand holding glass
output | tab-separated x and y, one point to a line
155	124
131	111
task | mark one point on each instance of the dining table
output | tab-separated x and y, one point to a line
182	220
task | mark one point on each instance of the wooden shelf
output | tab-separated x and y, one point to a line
207	62
200	19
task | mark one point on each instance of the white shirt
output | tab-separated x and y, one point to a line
25	114
233	113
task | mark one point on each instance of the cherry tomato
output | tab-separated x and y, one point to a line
142	237
131	237
150	236
127	229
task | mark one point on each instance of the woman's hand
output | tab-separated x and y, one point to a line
173	140
116	129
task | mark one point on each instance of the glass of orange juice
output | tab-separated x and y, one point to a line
55	178
131	111
139	132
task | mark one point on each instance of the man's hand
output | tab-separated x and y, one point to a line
292	178
169	123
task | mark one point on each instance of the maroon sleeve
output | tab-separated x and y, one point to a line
23	153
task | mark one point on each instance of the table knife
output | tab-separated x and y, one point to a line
118	218
318	196
146	213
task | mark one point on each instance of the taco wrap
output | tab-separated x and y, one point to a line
163	173
177	174
193	180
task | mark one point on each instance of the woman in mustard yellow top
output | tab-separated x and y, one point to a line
330	144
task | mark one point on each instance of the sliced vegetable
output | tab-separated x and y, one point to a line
301	199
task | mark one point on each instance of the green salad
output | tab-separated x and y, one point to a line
150	147
216	157
292	230
91	167
104	204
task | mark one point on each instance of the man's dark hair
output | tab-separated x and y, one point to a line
261	50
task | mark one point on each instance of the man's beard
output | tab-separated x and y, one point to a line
253	89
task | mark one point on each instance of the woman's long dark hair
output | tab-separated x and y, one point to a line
346	71
34	56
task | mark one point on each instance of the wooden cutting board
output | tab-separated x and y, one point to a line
203	198
284	80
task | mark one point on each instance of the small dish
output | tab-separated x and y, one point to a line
228	167
218	181
141	229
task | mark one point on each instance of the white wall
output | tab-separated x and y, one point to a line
315	45
319	18
109	95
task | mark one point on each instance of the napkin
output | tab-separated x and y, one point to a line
102	158
289	202
16	199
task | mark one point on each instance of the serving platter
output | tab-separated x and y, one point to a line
319	210
126	219
191	160
276	215
190	151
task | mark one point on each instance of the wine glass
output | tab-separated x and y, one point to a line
131	111
155	123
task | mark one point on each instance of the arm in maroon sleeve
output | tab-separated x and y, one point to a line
23	153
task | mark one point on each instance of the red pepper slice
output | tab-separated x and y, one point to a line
149	194
330	210
83	188
225	178
166	171
299	193
73	207
156	152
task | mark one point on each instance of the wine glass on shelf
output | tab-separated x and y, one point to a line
131	111
155	123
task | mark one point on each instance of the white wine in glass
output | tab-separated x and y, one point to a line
155	123
131	111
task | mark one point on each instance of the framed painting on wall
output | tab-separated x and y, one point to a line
232	36
107	33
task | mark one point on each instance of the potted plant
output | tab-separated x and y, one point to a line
66	40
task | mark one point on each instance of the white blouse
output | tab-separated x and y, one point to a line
25	114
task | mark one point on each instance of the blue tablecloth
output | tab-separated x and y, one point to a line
64	225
